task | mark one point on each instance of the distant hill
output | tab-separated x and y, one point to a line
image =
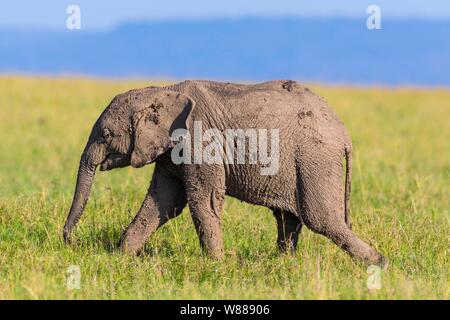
336	51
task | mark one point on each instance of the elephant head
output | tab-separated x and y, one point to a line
133	130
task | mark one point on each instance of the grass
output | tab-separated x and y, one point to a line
400	204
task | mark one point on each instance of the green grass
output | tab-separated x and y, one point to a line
400	204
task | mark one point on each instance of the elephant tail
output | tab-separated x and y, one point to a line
348	182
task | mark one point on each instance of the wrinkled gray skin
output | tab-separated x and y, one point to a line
308	190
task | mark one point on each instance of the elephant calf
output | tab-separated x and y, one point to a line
306	187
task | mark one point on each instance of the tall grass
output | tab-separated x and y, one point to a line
399	203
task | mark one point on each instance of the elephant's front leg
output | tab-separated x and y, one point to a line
205	189
166	199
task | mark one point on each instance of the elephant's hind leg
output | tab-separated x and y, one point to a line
321	204
166	199
289	227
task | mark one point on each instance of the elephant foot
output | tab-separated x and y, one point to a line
286	248
130	245
379	261
212	245
217	254
67	236
373	258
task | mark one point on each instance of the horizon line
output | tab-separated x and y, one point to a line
209	19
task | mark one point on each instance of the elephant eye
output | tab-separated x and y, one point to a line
106	134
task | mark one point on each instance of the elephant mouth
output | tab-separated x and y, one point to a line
115	160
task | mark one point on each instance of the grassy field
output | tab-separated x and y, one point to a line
400	204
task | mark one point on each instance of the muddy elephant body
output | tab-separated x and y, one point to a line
306	185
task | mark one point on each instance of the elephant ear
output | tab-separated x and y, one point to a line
166	112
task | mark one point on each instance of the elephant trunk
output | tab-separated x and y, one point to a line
85	178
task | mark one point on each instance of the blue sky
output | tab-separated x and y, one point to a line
103	14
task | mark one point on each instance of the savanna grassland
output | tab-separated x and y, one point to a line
399	203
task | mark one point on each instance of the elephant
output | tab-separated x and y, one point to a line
308	188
